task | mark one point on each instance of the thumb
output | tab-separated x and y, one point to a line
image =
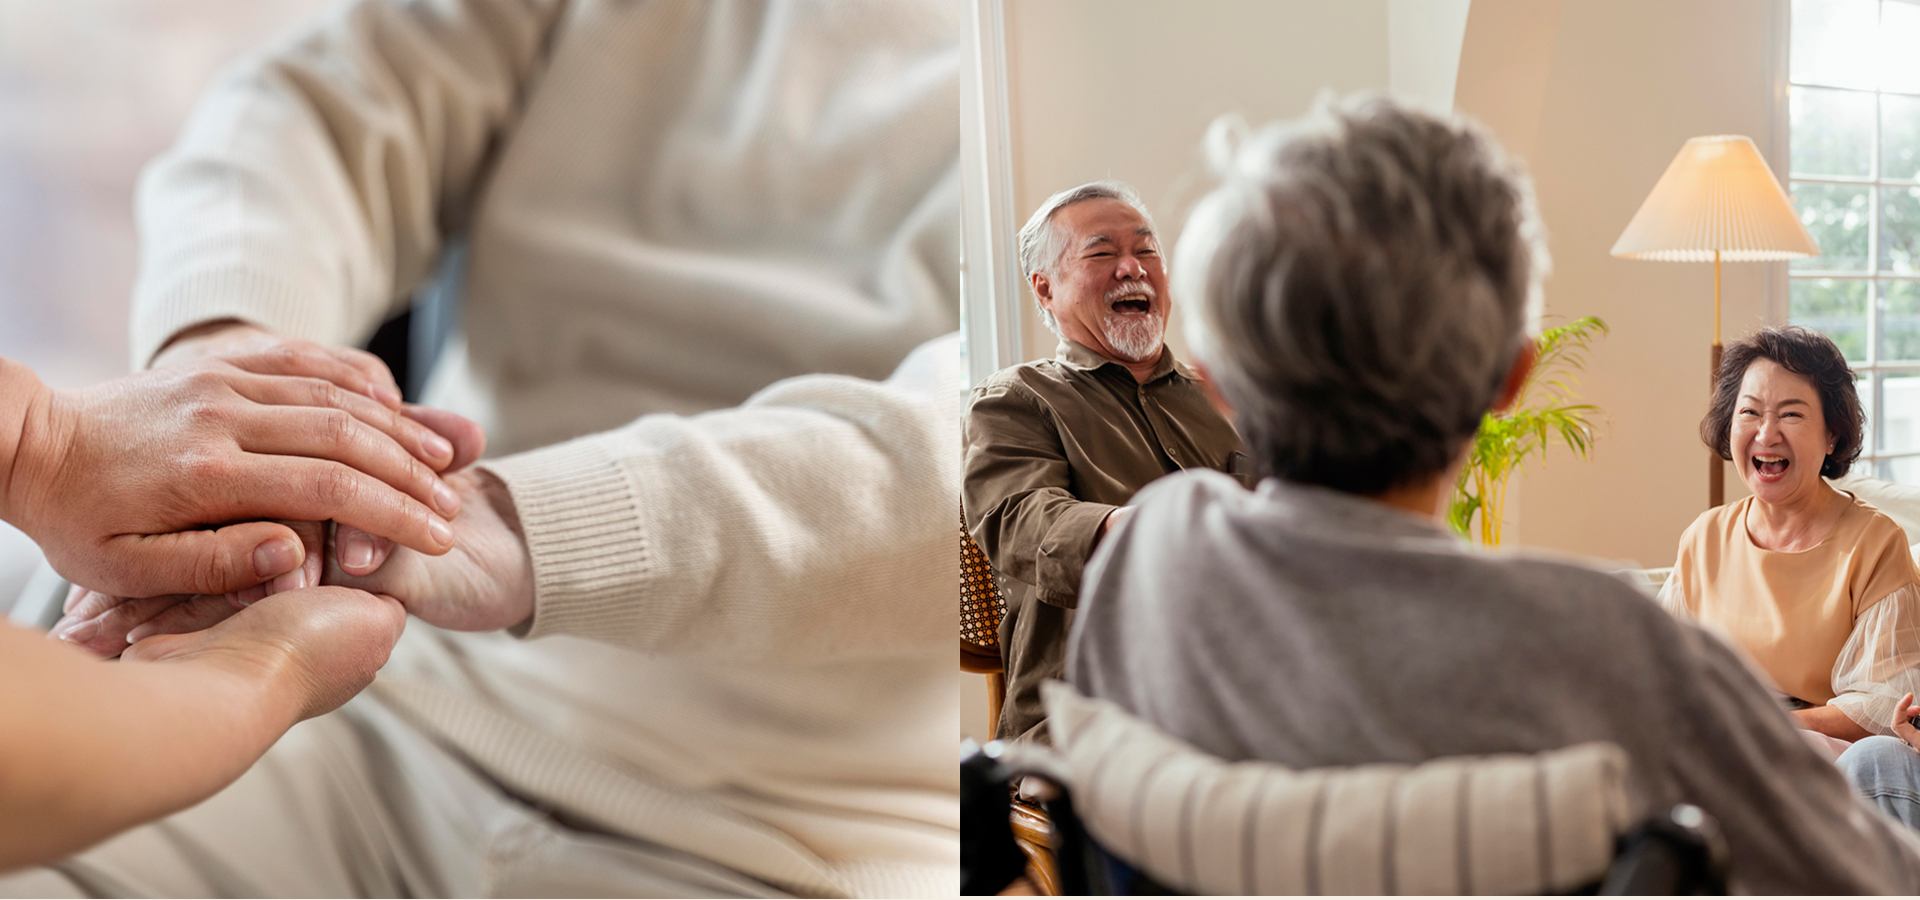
201	562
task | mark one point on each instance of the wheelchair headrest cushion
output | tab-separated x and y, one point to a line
1510	824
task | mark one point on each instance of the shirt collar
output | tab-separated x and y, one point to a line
1085	358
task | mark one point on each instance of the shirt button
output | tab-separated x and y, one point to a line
1173	454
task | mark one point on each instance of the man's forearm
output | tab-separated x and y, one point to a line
93	748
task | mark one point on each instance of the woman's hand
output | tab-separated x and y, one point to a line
104	623
312	649
1903	714
118	481
93	749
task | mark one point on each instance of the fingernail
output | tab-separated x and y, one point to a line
445	500
386	394
63	626
81	632
439	447
135	635
252	595
356	552
292	581
275	557
441	531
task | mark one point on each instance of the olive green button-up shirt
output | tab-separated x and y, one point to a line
1051	447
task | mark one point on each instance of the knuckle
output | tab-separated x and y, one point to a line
205	468
209	413
419	477
206	380
336	429
339	487
210	573
325	393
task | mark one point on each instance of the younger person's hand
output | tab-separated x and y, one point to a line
118	482
104	623
313	649
1903	713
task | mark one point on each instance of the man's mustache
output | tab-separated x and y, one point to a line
1125	288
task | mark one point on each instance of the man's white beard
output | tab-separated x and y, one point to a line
1136	339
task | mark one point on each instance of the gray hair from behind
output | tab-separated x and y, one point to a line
1359	285
1041	244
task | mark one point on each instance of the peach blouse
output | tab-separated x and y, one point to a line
1837	624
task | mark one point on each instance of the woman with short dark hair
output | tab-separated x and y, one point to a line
1809	580
1815	584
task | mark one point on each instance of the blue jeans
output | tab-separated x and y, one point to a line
1886	771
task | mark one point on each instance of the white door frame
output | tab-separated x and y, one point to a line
990	284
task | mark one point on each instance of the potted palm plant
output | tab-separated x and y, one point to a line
1546	411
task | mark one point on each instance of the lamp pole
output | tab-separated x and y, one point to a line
1716	467
1717	196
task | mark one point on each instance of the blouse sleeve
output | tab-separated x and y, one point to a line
1880	661
1671	597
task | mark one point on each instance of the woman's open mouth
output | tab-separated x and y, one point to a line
1770	467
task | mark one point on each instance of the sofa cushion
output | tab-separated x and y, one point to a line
1901	502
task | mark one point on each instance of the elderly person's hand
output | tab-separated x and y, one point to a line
115	481
486	583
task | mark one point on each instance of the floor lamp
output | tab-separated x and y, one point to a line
1717	201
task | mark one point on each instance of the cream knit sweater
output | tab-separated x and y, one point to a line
736	212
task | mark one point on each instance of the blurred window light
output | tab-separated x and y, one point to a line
1853	108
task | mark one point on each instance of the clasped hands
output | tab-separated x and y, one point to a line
331	480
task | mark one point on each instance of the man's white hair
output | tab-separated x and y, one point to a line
1042	244
1359	285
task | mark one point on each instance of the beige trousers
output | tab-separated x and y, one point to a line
360	804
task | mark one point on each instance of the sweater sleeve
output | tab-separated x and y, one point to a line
813	521
311	186
1792	823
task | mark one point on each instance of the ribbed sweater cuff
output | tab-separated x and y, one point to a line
253	295
590	558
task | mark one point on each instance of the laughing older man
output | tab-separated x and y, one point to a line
1055	447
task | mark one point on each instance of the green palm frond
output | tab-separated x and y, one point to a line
1546	413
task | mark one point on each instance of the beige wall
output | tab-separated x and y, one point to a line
1125	88
1598	97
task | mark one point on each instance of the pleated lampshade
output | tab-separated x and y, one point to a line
1718	194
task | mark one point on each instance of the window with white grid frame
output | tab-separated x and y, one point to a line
1853	104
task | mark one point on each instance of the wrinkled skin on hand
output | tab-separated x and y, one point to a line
321	645
117	481
485	583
